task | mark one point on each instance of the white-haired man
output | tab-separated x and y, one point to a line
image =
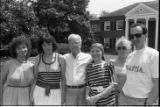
76	62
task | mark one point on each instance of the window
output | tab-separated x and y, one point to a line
95	28
107	26
119	25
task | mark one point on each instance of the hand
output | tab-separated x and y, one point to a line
63	98
32	101
91	100
62	101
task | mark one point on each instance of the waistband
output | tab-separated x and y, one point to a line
133	97
51	86
78	86
16	86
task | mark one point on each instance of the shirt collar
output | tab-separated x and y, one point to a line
77	55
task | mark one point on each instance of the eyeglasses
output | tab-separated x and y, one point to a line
121	48
136	35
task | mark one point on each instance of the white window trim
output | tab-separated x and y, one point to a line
105	25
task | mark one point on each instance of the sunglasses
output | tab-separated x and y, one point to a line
131	36
121	48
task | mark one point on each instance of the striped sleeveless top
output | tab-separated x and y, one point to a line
49	74
98	78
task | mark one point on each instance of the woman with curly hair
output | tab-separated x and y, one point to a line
17	74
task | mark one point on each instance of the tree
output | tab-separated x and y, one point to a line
16	18
63	17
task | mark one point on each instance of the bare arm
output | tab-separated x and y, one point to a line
107	90
63	81
87	91
112	86
33	85
35	61
3	78
153	96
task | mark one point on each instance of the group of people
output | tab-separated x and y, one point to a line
79	78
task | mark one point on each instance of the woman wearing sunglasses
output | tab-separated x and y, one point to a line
123	48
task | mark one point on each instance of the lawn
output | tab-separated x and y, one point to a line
109	56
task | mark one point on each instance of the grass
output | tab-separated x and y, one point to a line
109	56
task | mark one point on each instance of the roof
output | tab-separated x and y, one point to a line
94	19
123	11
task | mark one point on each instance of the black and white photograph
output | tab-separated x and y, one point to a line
88	53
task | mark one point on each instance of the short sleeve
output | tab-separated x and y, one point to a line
154	65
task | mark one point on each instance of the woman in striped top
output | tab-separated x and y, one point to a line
101	80
50	67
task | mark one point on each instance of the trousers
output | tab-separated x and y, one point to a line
125	100
75	96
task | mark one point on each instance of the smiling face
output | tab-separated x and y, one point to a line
96	54
137	37
22	50
47	48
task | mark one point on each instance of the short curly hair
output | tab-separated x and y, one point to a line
48	39
18	41
125	41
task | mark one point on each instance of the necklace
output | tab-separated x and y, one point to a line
95	64
46	63
47	67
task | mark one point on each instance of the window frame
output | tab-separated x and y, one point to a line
95	27
105	25
118	25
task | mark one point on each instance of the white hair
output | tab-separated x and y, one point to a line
125	41
73	36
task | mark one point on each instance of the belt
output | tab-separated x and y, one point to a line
19	86
51	86
79	86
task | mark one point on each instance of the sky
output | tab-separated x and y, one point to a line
97	6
